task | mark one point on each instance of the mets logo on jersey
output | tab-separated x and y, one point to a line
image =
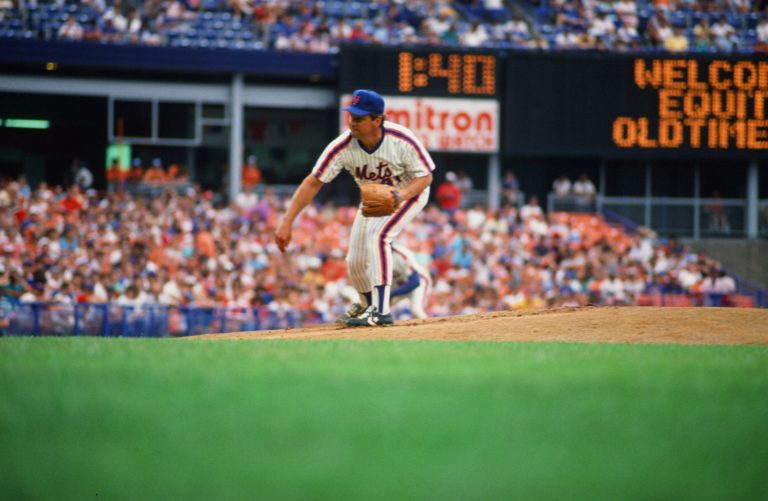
380	174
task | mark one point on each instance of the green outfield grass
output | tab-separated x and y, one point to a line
168	419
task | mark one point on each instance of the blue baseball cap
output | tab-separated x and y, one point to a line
366	102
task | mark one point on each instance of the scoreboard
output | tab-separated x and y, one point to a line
635	106
449	98
566	104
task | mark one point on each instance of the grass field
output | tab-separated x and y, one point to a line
166	419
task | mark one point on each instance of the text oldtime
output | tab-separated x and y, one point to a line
701	104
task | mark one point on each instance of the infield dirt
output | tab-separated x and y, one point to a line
733	326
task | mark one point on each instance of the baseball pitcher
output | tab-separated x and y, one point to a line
373	151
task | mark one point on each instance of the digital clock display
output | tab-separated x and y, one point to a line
461	74
419	72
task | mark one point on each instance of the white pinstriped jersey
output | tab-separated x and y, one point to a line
395	161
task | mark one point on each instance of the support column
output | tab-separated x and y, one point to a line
697	201
191	164
235	136
602	187
494	181
648	194
752	200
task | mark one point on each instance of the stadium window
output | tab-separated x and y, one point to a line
625	178
762	181
727	178
132	118
214	111
672	178
176	120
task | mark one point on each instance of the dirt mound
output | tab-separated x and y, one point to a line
587	325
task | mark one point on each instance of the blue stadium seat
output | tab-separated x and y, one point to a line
334	8
355	10
236	45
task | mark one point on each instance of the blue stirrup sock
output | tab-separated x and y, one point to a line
382	293
366	298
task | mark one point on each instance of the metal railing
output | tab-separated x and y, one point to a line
684	217
148	320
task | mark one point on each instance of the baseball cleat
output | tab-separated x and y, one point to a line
354	311
371	318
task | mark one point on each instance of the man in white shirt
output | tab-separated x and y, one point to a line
584	190
531	209
762	30
562	186
475	36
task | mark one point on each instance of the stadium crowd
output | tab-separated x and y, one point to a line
321	26
67	246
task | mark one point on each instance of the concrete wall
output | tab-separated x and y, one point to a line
746	258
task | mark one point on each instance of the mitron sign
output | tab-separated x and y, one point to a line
444	124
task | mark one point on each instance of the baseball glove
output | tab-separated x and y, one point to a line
379	199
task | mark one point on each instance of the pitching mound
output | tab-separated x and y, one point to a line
587	325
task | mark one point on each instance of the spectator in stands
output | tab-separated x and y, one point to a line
510	188
341	31
716	288
176	11
132	296
137	171
71	29
718	219
84	177
133	25
658	29
475	36
114	15
690	277
242	8
585	25
251	173
762	34
678	42
740	6
358	35
5	6
465	184
702	39
176	174
485	260
155	175
602	26
724	35
73	201
566	38
626	10
531	209
12	286
626	36
450	36
35	294
612	290
449	194
517	28
584	190
562	186
440	23
703	29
